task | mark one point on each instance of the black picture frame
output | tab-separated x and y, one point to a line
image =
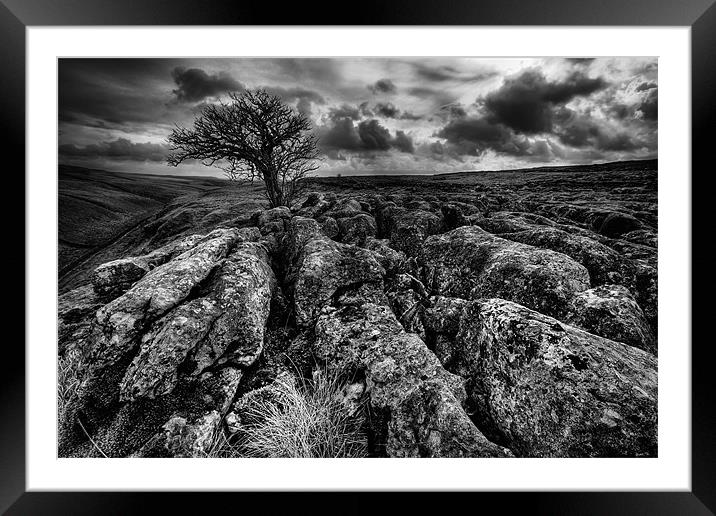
700	15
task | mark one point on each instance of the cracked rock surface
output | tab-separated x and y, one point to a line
509	314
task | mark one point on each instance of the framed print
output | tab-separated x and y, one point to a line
424	252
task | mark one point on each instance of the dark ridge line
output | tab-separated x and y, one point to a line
545	168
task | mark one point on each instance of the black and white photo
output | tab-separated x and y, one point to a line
358	257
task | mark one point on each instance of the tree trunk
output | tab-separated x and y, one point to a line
273	190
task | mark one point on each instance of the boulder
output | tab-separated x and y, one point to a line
612	312
273	220
329	227
357	229
602	262
75	312
416	403
552	390
114	340
118	323
348	204
314	211
605	264
411	229
390	259
345	207
471	263
510	222
323	268
644	284
443	315
194	439
112	279
224	326
300	231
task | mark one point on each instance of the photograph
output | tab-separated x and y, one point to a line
357	257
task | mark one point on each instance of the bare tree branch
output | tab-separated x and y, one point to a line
252	136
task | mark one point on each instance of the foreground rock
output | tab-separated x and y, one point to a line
323	268
183	438
416	403
441	322
112	279
606	264
135	428
225	326
470	263
74	317
390	259
644	284
197	321
168	348
356	229
118	323
551	390
510	222
407	298
612	312
410	230
270	221
602	262
344	207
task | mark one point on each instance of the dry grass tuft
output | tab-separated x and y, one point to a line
308	420
70	370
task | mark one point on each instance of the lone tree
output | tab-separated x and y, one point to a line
252	136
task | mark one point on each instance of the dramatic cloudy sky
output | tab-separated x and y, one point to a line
373	115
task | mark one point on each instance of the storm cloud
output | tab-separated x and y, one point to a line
345	111
580	131
473	135
527	101
368	135
194	84
649	107
435	114
443	73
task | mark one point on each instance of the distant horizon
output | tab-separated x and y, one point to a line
393	115
377	173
